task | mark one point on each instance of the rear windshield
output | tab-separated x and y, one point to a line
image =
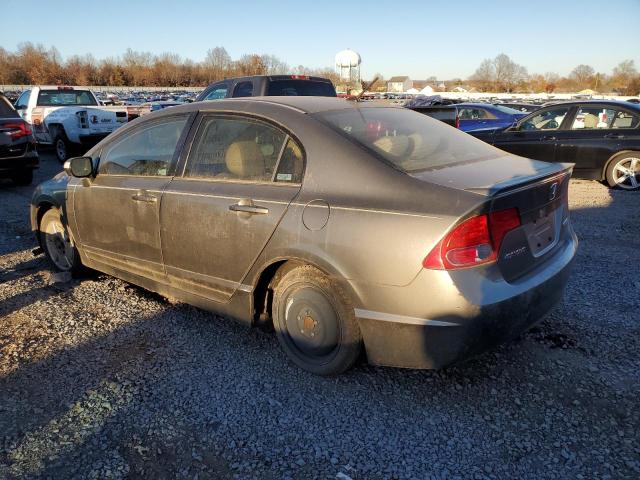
508	110
60	98
301	88
408	140
6	110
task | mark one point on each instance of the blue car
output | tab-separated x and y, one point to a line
481	116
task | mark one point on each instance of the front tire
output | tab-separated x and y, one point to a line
624	171
315	322
57	245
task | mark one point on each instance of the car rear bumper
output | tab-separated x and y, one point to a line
28	161
473	326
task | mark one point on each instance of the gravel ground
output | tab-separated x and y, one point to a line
101	379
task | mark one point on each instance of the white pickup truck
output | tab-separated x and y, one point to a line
72	120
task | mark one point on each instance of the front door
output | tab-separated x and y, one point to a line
117	214
536	136
238	181
595	134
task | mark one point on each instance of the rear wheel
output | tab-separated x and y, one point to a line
57	244
315	322
624	171
62	147
23	177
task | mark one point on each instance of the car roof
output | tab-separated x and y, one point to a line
302	104
618	103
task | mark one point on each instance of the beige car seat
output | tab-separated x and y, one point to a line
590	121
245	160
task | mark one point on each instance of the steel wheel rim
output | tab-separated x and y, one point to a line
58	245
311	324
61	150
626	173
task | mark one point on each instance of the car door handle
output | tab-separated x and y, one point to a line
614	135
144	197
548	138
252	209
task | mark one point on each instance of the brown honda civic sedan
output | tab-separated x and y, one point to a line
346	226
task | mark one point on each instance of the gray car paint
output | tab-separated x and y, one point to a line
378	224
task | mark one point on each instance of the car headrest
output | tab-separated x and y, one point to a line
395	146
244	159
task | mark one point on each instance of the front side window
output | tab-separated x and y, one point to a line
245	149
409	140
218	92
546	120
147	151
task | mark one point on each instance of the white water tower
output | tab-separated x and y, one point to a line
348	66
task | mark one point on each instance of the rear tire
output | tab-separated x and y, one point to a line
315	322
62	147
623	171
23	177
57	245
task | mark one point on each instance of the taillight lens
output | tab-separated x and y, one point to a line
18	130
457	121
474	242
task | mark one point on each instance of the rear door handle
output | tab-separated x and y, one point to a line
252	209
548	138
144	197
614	135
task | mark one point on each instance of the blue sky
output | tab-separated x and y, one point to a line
417	38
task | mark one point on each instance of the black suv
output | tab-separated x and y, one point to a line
269	85
18	156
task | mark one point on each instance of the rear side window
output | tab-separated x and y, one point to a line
146	151
408	140
467	113
589	118
243	89
301	88
59	98
245	149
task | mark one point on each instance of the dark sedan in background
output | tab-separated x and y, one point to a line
601	137
280	209
18	156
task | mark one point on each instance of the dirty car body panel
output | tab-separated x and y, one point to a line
335	190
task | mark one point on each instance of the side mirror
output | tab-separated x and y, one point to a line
80	167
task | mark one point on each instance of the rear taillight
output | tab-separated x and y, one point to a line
475	241
457	121
18	130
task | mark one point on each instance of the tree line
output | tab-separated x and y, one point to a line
502	74
36	65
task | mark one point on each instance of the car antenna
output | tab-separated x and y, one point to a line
365	88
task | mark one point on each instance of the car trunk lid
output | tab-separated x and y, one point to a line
537	190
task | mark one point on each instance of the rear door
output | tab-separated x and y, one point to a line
595	134
536	136
117	214
239	178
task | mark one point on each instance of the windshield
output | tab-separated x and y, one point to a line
301	88
61	98
409	140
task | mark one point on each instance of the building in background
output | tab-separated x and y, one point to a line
399	84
